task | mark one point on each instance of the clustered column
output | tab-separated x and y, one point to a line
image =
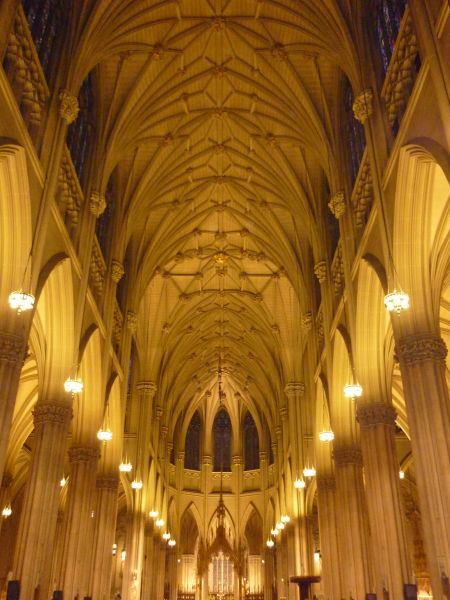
326	500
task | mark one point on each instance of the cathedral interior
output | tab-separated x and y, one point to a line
224	299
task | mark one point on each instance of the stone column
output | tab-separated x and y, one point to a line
75	564
329	548
4	495
33	554
268	574
352	522
172	567
105	530
149	571
389	547
11	359
422	363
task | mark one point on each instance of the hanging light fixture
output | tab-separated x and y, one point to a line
309	472
136	484
280	525
401	474
270	543
104	435
159	522
123	555
353	390
63	481
20	301
153	514
73	385
171	543
285	518
326	435
274	532
166	536
125	467
7	511
396	301
299	484
316	555
114	549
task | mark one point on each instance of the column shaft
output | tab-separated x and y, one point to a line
352	523
33	555
106	514
389	547
331	572
422	363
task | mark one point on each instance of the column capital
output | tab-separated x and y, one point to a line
307	320
294	388
117	270
347	455
283	413
164	431
378	413
83	454
11	348
262	456
421	347
326	483
207	459
97	203
147	387
236	460
52	413
337	204
131	321
320	271
107	482
362	105
68	106
157	412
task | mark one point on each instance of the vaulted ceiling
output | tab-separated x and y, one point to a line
220	121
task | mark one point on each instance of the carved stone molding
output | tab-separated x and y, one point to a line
97	203
347	455
11	348
107	482
320	271
147	388
157	412
306	321
326	483
379	413
164	431
207	459
283	413
131	321
262	456
83	454
68	106
117	271
294	388
51	413
180	454
278	432
362	105
415	349
337	204
236	460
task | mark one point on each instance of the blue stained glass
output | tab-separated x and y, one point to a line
80	133
192	446
389	17
222	441
354	132
251	443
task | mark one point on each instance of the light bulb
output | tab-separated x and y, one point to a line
326	435
73	386
7	511
274	532
171	543
166	535
299	484
401	474
309	472
280	525
123	555
104	435
159	522
285	518
153	514
270	543
396	301
63	481
353	390
125	467
20	301
317	556
137	485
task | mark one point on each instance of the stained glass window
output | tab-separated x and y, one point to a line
80	133
222	441
354	133
104	222
47	20
251	443
192	447
388	18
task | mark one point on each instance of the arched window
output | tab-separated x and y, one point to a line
354	132
193	440
389	15
47	20
103	223
81	132
251	443
222	441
